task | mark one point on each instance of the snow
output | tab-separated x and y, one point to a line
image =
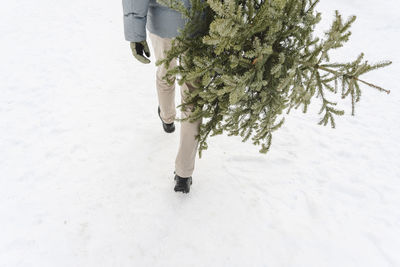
86	172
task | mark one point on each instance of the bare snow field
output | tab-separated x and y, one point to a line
86	171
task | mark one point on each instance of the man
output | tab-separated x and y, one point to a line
163	24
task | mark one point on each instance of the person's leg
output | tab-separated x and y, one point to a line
165	92
188	145
185	159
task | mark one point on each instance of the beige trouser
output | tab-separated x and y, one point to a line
185	160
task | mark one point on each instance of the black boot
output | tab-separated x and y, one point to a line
168	127
182	184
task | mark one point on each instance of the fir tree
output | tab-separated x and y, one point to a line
253	61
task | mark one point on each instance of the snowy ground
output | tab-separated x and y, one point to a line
86	170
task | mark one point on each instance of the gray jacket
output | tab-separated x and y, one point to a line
159	19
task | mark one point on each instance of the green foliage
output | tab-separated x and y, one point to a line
254	61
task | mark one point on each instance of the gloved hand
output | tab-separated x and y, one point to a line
137	50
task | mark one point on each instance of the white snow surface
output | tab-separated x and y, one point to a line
86	171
